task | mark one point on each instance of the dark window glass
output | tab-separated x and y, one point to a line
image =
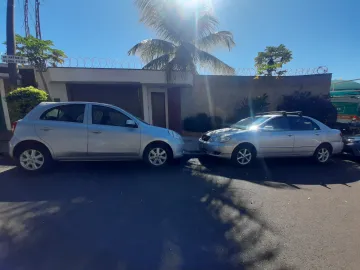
301	123
277	124
65	113
107	116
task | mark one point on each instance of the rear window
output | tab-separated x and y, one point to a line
65	113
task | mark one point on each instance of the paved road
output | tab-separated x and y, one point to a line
279	214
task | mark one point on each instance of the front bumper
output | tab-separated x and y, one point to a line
352	148
216	149
177	148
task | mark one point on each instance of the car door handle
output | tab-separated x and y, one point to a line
46	129
290	135
96	132
317	134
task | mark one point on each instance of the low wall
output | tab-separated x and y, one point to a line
221	95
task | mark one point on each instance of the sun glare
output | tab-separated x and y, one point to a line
193	3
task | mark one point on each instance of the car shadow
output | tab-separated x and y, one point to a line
285	172
128	216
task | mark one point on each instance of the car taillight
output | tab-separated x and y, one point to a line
13	126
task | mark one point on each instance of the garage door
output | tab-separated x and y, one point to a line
125	96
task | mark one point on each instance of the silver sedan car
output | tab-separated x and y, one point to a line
273	134
71	131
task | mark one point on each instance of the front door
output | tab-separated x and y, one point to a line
108	135
158	107
275	138
64	129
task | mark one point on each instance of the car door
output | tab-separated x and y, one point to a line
109	136
64	129
308	135
275	138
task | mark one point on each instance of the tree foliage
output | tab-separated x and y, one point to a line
23	100
317	107
271	61
186	38
40	53
251	107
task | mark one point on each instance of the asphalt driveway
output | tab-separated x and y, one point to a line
278	214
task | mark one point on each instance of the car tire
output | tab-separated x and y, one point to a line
243	155
34	158
157	155
322	154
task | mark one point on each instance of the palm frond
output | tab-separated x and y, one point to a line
214	64
218	39
159	63
206	24
151	49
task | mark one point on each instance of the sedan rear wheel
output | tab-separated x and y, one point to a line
322	154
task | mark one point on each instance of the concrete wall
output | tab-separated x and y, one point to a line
90	75
220	95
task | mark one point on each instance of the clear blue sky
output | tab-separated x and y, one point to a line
319	32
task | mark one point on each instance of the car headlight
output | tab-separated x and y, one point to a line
175	135
221	139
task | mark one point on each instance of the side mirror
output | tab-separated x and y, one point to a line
268	128
131	123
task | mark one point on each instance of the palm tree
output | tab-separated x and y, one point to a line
186	38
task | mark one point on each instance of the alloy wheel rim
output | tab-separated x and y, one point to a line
157	156
31	159
323	155
244	156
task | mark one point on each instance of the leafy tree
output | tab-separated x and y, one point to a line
271	61
251	107
23	100
186	38
317	107
40	54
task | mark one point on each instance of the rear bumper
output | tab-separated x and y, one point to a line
12	143
215	149
337	147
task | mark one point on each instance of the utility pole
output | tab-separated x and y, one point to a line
37	16
26	18
10	41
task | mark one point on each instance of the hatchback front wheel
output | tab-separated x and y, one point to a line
157	155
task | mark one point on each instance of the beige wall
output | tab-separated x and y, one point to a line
220	95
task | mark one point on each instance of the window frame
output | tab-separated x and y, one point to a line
60	106
308	119
275	130
90	120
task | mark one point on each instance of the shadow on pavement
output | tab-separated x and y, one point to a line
127	216
285	173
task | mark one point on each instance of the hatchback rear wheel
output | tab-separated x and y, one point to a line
34	158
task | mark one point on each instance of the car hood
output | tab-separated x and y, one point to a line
354	137
226	132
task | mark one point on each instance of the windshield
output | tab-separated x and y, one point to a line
247	123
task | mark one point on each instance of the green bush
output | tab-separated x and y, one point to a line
23	100
202	123
247	108
317	107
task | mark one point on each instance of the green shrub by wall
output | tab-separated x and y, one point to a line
23	100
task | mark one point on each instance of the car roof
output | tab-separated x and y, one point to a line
72	102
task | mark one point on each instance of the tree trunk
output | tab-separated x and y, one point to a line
10	42
44	82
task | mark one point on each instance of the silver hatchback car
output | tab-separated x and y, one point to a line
273	134
72	131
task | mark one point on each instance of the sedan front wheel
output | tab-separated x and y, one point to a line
243	155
